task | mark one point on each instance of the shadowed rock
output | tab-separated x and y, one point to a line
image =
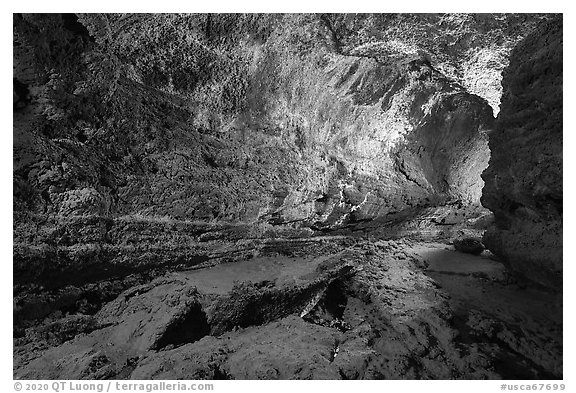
524	178
469	245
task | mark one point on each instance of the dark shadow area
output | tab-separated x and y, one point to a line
189	328
329	311
72	24
21	94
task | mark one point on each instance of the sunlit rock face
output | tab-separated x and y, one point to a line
471	49
524	178
378	137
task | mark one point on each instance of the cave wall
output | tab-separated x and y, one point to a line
523	182
241	118
134	133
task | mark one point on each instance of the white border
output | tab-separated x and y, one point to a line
6	231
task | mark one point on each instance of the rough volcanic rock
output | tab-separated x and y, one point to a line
392	325
287	349
264	123
151	115
469	245
294	131
181	308
150	119
472	49
175	177
357	310
524	178
136	321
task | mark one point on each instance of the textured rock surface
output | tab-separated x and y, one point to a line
469	245
472	49
365	310
272	127
131	122
206	196
524	179
183	308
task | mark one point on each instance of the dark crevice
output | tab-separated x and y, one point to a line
21	94
190	327
333	35
72	24
220	374
329	311
127	368
342	374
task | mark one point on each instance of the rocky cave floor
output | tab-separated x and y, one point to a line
372	300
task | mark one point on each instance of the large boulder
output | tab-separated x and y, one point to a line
469	245
523	181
